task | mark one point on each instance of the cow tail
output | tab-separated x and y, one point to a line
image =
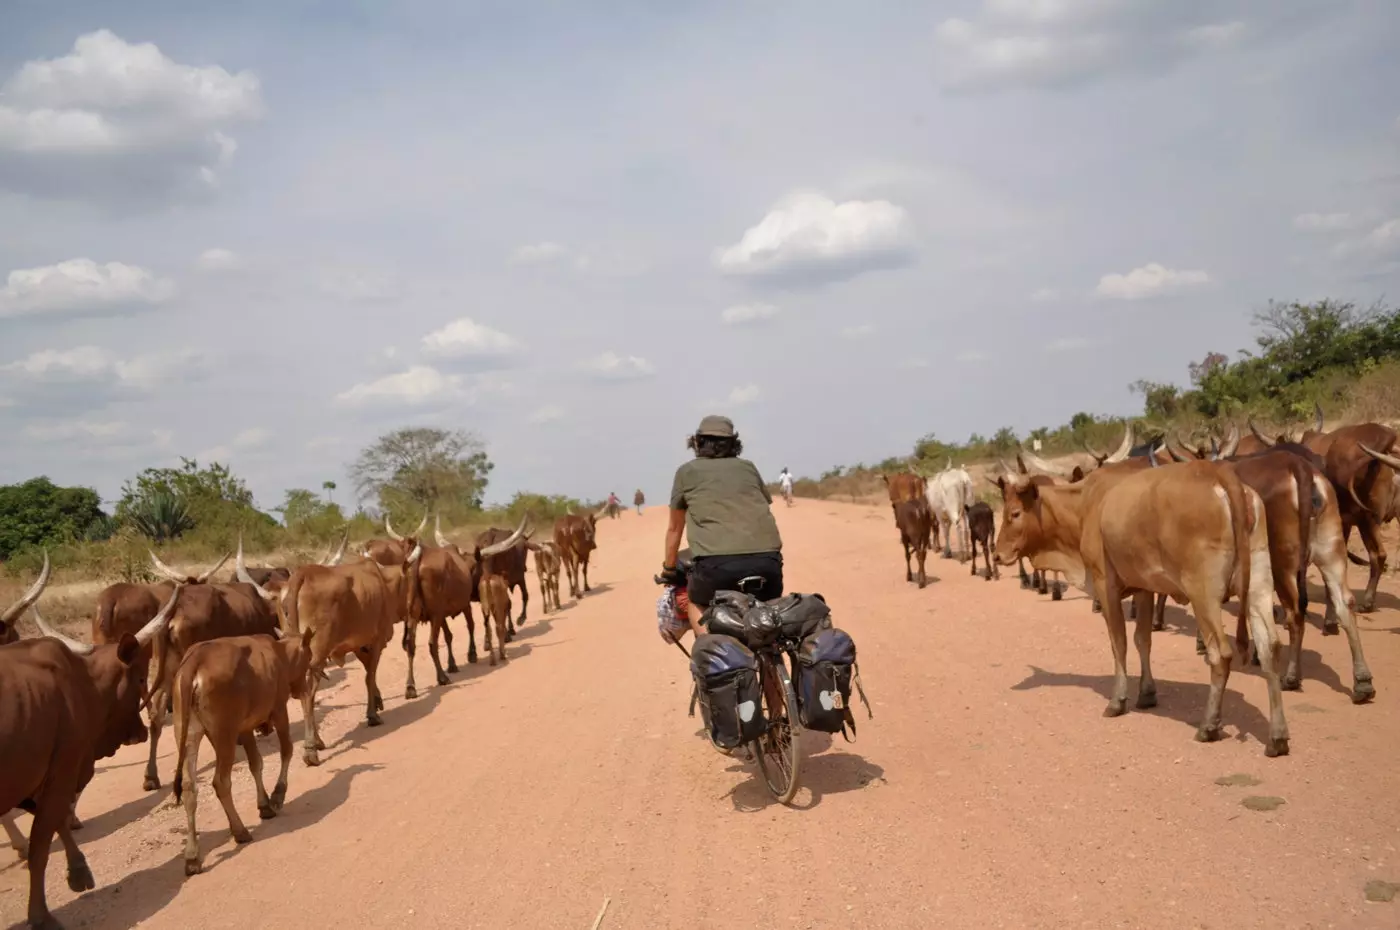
293	612
1302	477
1242	515
183	697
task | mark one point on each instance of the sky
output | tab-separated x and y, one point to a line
266	233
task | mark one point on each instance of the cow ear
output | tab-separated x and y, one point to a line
1077	474
128	649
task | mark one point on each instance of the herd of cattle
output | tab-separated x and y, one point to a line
1243	517
225	659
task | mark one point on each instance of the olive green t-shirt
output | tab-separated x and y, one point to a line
726	508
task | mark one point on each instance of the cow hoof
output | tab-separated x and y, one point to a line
1158	626
1363	692
151	783
1207	734
1364	605
311	758
1200	648
193	867
1254	659
1025	582
242	836
1146	700
471	657
1116	709
375	721
492	663
320	744
74	823
1276	748
1291	684
1056	593
266	813
443	680
1096	608
378	702
279	798
410	692
1332	630
452	667
922	584
80	878
263	729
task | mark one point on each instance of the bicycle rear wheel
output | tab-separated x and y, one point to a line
779	751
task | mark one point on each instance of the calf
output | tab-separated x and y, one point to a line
982	525
547	568
495	603
914	520
223	690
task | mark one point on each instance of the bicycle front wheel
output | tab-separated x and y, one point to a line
779	751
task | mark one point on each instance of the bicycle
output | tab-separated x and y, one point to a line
787	494
778	751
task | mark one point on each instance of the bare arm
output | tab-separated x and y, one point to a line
674	530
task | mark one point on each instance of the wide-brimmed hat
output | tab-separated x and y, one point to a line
714	425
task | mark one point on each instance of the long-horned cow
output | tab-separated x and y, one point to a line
576	537
63	705
510	564
498	558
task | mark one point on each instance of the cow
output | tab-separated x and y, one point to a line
547	569
639	501
63	705
510	564
904	486
488	559
495	608
349	609
206	611
981	523
576	537
914	520
223	690
948	493
393	547
1193	531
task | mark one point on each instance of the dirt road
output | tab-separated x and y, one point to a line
987	792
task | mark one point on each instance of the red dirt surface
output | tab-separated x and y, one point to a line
987	792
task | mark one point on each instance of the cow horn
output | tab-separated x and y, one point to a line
390	530
166	570
1186	446
201	579
1039	464
160	620
442	541
422	524
413	556
1258	435
1231	443
240	571
30	596
569	510
73	645
1098	456
1152	457
1381	457
1176	456
334	558
1006	466
1124	447
1214	450
1317	415
507	543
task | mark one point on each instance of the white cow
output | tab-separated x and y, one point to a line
948	493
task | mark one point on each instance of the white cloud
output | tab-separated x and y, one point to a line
1380	241
1150	280
419	386
68	430
94	365
219	260
80	285
465	338
859	331
1323	222
539	253
971	355
248	441
744	395
357	284
1066	344
807	235
127	105
1045	295
547	414
613	367
747	314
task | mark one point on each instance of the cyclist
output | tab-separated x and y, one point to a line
785	479
720	503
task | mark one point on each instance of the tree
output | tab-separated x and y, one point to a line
421	468
39	512
304	512
1004	441
329	488
205	491
1160	401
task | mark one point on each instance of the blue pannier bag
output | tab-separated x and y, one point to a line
726	678
826	669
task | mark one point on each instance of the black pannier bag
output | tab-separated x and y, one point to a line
725	615
760	625
801	615
726	677
826	668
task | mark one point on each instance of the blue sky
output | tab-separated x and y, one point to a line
269	232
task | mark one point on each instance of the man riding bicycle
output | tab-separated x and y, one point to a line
785	480
721	505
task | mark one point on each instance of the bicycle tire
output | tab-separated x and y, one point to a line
784	739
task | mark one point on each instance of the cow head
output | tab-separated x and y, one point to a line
171	574
1020	518
297	651
8	633
118	675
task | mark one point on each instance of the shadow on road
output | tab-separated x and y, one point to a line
822	774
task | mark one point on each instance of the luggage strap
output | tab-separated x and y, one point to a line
850	720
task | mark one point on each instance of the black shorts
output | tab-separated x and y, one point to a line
723	573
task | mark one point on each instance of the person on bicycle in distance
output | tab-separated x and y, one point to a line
720	503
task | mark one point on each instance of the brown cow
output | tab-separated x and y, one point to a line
206	611
547	569
487	560
576	537
224	688
913	518
350	609
495	606
981	523
509	564
905	486
63	706
393	548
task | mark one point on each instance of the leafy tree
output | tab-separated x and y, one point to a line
329	488
40	513
419	468
304	512
1160	401
1004	442
206	492
161	516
